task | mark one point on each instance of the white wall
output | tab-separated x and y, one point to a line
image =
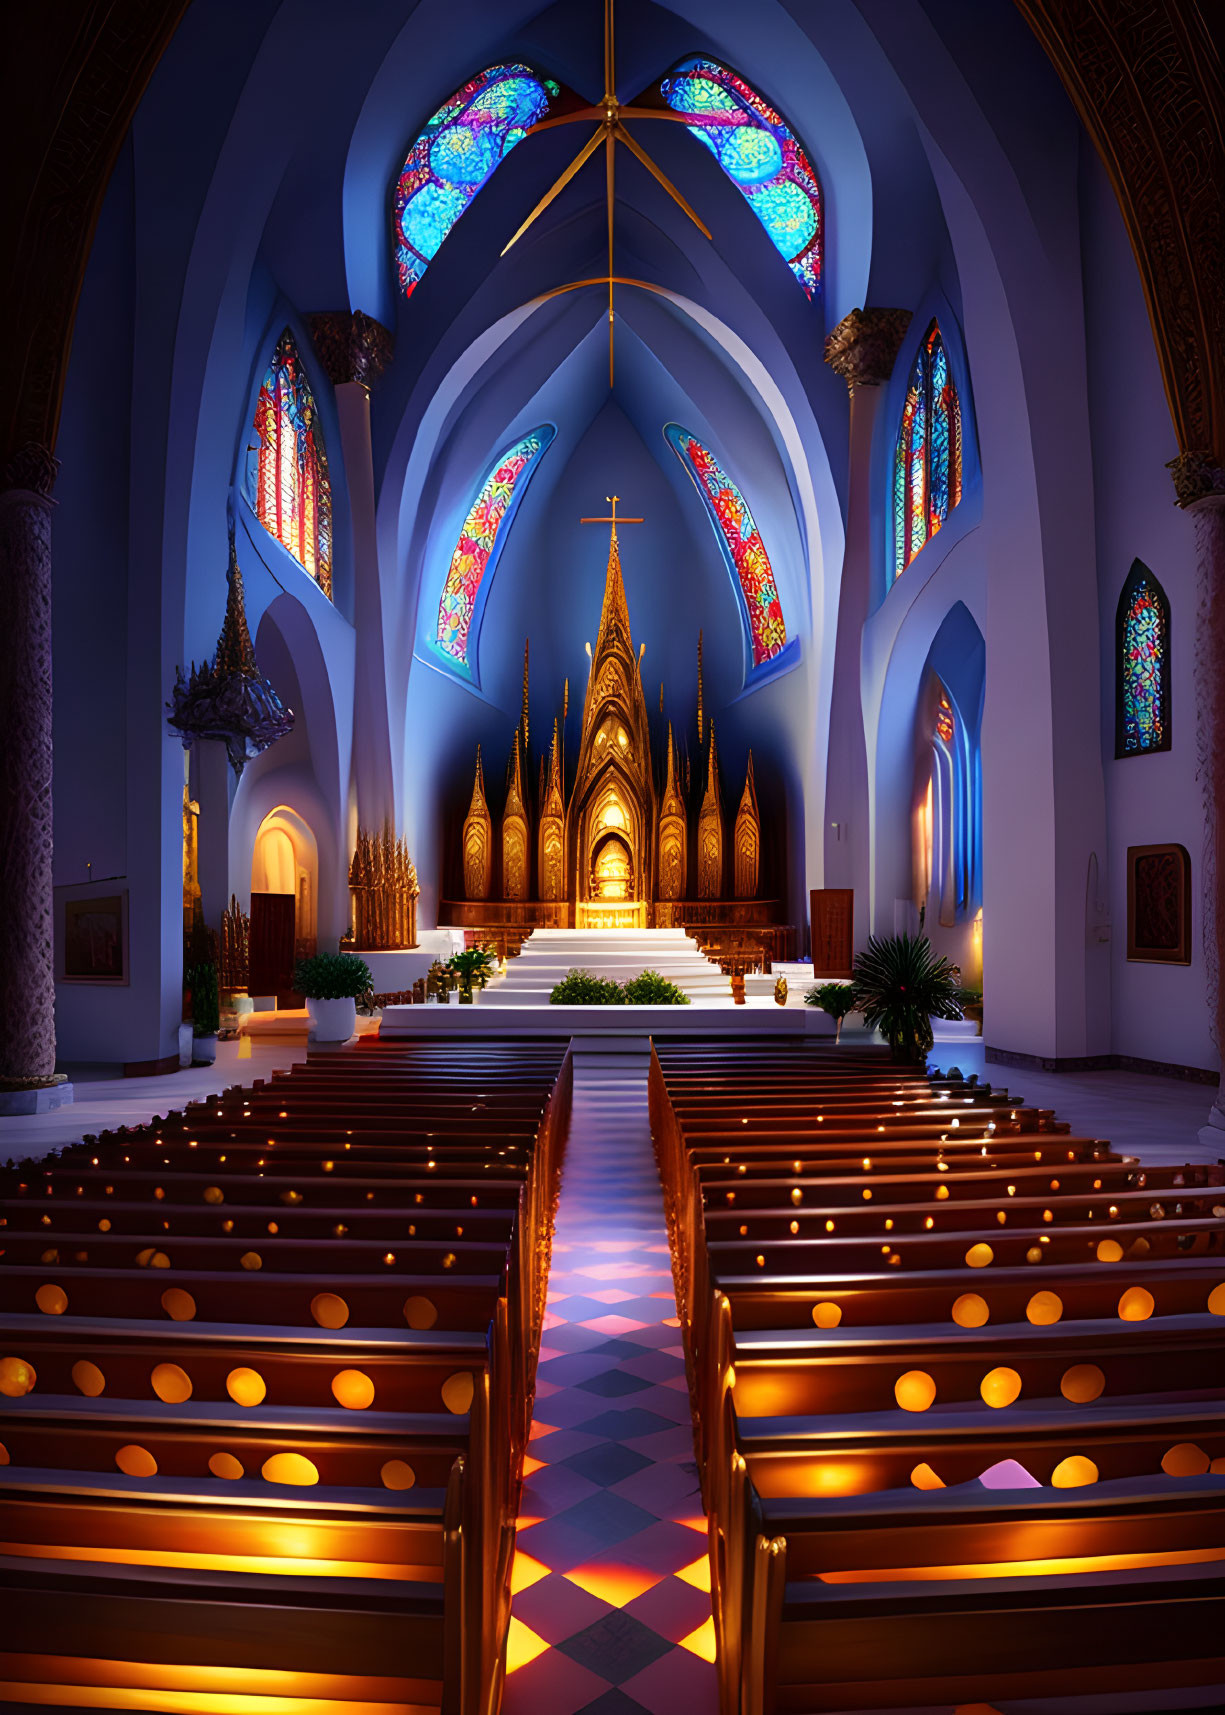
1160	1011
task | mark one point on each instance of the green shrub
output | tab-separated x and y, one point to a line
205	1004
332	976
650	989
835	998
900	986
580	988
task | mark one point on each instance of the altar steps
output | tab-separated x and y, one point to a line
548	955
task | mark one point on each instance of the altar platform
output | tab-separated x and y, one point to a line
516	1003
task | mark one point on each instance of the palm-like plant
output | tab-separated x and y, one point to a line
900	986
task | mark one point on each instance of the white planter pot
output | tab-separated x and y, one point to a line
203	1050
332	1020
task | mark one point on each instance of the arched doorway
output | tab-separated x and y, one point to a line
284	895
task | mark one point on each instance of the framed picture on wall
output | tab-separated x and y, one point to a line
91	942
1159	905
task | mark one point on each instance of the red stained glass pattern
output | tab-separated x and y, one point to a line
741	542
927	460
479	538
287	470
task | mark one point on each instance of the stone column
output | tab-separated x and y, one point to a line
862	349
355	350
1200	488
27	975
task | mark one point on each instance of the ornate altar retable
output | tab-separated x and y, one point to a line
621	851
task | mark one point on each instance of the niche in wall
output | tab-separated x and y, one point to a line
1159	905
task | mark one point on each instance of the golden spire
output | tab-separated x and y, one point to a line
478	784
614	614
712	767
514	791
699	685
526	642
555	759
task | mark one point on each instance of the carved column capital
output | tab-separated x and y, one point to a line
32	469
351	346
863	347
1197	479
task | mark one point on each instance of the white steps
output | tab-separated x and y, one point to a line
548	955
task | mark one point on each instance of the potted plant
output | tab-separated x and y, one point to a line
473	967
205	1014
900	986
331	983
837	999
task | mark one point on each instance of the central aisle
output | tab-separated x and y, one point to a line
612	1604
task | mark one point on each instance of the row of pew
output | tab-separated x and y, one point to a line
266	1378
958	1387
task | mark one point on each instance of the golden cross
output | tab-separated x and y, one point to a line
612	500
610	131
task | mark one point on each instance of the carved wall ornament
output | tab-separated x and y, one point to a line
229	699
515	836
710	831
746	840
351	346
478	839
863	347
1159	905
1197	479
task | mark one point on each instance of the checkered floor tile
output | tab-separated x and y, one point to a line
611	1610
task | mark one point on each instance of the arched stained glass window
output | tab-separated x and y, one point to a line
287	468
455	154
740	540
760	154
947	813
1142	635
483	532
927	460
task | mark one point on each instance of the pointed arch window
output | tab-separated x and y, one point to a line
1142	648
741	543
927	459
947	813
481	539
760	154
454	156
287	468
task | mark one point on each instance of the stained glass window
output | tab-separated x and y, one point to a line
455	154
740	540
1143	637
927	461
760	154
287	468
479	537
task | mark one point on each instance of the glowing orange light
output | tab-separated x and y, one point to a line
702	1642
618	1585
522	1645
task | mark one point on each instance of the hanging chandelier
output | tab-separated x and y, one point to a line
228	699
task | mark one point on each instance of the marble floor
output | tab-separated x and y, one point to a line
611	1610
105	1100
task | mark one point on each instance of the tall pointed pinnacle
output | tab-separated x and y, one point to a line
614	615
514	792
526	643
748	798
555	759
712	767
235	652
670	782
699	685
478	784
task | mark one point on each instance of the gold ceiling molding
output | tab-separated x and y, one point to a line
1146	80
